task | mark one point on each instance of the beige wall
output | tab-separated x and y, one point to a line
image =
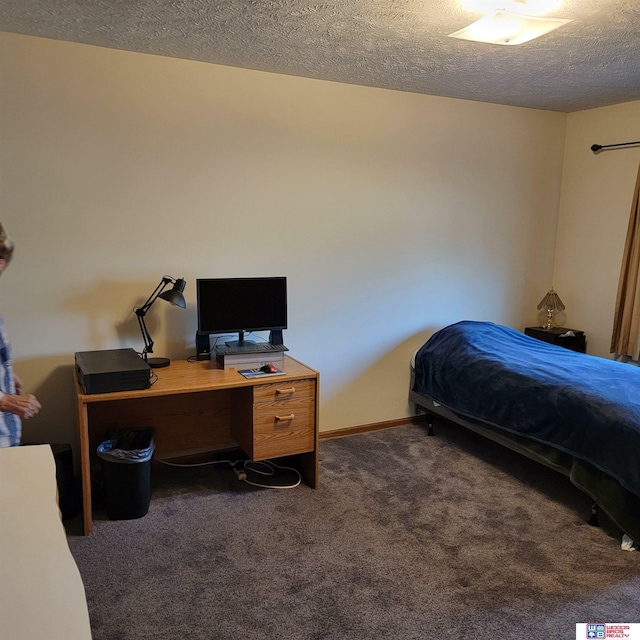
595	204
392	214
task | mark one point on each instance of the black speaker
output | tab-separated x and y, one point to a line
275	337
203	346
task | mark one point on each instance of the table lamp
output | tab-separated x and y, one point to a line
551	303
175	297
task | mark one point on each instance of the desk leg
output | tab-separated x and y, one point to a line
85	466
309	468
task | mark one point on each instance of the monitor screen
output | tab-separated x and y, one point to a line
236	305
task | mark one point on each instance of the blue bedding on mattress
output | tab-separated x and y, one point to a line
586	406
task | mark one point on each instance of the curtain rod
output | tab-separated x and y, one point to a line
598	147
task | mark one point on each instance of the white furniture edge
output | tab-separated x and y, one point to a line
41	591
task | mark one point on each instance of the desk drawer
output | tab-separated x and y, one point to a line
283	428
284	390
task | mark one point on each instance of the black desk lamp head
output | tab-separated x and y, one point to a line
175	297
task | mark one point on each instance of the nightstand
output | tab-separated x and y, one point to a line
556	336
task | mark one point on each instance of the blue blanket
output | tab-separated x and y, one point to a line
583	405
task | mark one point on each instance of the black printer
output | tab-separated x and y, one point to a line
112	370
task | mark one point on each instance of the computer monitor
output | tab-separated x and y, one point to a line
238	305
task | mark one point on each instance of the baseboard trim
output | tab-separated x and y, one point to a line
374	426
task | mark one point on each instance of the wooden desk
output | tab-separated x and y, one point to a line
195	407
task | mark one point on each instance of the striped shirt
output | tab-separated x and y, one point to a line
10	424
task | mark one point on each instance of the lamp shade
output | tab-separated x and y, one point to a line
551	302
174	295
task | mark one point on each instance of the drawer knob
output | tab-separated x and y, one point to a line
291	416
287	390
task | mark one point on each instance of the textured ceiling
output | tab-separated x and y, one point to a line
395	44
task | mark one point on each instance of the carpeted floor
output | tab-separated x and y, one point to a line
408	537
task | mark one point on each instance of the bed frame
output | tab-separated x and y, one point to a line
541	454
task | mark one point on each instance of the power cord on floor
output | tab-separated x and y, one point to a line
229	463
242	468
265	468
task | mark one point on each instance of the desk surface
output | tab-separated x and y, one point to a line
41	592
183	376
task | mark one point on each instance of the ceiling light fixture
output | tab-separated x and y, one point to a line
524	7
507	27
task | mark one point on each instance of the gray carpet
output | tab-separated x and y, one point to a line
408	537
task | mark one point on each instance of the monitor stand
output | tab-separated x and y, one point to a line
241	342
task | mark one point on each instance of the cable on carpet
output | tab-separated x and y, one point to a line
229	463
266	468
242	468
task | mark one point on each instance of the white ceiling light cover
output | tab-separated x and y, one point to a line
506	27
526	7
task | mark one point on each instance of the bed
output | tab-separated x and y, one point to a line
576	413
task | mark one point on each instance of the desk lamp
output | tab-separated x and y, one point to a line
551	303
174	296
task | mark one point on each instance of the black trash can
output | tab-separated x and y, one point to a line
126	462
